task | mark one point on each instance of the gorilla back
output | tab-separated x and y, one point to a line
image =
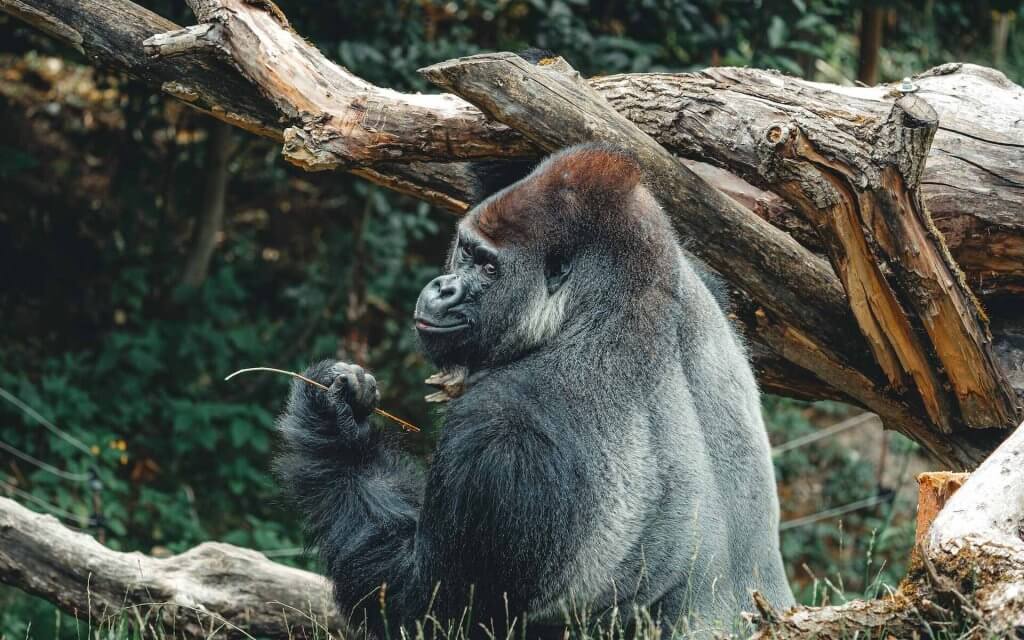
608	450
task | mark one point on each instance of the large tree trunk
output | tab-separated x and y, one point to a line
858	227
913	197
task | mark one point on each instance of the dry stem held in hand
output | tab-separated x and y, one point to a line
405	424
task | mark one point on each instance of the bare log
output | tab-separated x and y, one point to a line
968	572
971	182
818	339
214	586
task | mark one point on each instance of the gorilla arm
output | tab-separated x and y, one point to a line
359	496
504	497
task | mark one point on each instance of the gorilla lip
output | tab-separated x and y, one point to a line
428	327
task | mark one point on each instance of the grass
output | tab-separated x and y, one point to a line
167	621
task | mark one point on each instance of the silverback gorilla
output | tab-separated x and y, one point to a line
608	450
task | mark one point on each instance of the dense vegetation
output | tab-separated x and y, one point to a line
102	182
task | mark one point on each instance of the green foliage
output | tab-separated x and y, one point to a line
99	204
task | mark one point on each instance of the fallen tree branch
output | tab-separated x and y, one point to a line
967	573
212	586
336	119
695	115
795	303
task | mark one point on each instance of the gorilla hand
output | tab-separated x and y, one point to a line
353	391
341	412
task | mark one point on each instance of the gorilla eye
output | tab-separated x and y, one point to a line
465	252
490	269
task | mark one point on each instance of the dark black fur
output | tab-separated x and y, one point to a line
608	450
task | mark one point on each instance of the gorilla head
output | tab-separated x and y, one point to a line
544	258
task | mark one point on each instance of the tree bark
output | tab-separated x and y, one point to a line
972	177
968	572
896	332
213	587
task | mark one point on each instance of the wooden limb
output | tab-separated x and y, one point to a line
334	119
972	178
552	106
213	586
976	543
968	572
882	618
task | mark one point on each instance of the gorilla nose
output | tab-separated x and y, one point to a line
440	295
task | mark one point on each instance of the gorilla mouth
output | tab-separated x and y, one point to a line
426	326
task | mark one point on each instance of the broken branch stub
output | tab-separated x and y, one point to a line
860	187
796	304
334	119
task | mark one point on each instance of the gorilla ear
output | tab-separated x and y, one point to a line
556	272
595	171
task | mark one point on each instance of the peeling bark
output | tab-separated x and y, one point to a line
912	374
967	577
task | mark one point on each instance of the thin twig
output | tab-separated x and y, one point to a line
405	424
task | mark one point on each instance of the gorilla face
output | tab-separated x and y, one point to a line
474	314
555	250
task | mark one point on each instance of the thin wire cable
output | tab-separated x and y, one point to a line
51	508
60	473
54	429
831	513
845	425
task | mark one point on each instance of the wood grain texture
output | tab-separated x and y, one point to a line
212	586
794	303
790	302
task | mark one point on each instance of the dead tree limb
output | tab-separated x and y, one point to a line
213	586
797	306
971	181
968	574
910	370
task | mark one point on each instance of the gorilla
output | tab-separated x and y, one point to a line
607	455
